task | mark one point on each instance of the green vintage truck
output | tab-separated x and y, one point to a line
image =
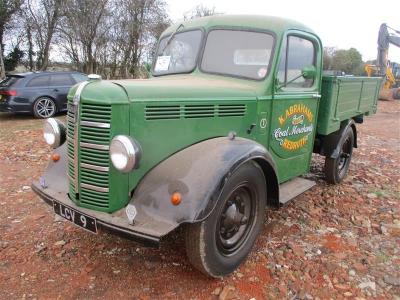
222	130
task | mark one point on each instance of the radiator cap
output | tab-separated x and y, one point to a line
94	77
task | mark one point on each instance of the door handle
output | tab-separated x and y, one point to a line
56	90
316	96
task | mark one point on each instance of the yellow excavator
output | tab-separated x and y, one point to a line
390	89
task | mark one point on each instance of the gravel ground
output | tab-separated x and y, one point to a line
331	242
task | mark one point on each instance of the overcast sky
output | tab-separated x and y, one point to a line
339	23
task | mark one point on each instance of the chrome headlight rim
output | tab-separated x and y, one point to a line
58	130
132	152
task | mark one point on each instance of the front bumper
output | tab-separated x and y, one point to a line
113	223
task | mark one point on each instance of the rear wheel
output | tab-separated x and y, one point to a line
44	107
219	244
336	168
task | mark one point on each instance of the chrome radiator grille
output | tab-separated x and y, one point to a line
94	139
71	154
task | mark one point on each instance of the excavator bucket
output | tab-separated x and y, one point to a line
389	94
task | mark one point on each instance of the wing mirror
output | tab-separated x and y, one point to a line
308	72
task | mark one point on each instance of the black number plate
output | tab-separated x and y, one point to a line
75	217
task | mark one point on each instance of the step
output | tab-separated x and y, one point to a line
293	188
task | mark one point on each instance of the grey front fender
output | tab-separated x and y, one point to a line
199	173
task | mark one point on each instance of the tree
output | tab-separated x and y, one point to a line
114	38
42	19
199	11
7	10
348	61
327	58
111	37
2	67
136	33
12	60
83	30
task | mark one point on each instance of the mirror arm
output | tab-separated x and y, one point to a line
279	86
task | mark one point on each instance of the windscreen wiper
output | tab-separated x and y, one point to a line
171	37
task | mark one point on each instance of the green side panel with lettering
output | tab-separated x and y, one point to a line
293	123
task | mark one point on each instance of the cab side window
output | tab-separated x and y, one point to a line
297	53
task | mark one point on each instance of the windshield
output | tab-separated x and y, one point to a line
238	53
180	55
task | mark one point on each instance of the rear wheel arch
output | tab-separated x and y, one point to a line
354	128
329	146
336	168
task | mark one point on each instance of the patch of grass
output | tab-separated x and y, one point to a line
385	192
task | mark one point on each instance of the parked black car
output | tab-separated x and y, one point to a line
40	93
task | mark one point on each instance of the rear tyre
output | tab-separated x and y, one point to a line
44	107
336	169
220	243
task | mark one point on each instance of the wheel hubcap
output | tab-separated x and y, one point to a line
45	108
236	220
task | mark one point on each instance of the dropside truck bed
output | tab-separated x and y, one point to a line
344	98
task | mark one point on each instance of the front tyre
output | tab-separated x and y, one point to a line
336	168
44	107
220	243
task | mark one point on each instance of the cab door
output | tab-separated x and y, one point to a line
295	104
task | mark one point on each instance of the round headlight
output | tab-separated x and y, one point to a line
54	132
124	153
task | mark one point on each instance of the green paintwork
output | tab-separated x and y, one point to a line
344	97
292	154
168	113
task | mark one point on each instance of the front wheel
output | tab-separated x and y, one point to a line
220	243
336	168
44	107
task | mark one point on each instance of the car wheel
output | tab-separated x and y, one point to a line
336	168
220	243
44	107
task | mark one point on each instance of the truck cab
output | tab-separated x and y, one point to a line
222	130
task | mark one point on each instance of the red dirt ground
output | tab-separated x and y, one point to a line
331	242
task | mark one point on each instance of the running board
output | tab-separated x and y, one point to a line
293	188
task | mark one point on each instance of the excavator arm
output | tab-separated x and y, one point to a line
382	67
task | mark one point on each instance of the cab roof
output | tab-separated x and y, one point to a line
274	24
